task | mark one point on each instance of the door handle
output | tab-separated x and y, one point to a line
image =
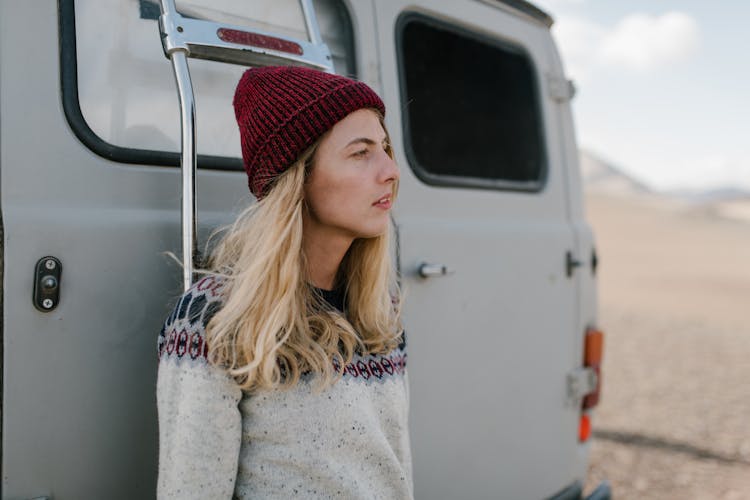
426	270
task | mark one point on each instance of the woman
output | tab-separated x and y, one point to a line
282	372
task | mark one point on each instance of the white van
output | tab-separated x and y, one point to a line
496	259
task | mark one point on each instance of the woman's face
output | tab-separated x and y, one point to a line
351	187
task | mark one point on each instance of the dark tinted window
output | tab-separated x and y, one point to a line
471	110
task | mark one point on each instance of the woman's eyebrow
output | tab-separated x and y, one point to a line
365	140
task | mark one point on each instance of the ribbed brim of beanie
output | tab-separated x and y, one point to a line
282	110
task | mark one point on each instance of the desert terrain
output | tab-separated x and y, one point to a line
674	303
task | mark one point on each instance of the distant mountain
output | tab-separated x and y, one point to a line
709	196
728	203
601	176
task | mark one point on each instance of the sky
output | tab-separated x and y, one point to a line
663	87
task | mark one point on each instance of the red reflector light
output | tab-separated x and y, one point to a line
584	428
257	40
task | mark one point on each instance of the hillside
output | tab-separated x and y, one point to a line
601	177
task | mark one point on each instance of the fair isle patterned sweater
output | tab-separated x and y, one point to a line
216	442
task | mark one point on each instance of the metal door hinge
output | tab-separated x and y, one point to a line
571	263
561	89
594	261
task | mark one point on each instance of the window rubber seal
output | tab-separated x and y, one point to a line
457	181
82	130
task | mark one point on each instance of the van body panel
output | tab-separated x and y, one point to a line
489	345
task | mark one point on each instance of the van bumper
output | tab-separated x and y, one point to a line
602	492
575	492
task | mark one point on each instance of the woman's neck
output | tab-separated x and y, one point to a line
324	256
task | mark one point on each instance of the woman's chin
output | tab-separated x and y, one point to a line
372	232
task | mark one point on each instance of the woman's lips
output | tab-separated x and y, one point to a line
384	203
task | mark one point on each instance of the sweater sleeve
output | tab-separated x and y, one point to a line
200	426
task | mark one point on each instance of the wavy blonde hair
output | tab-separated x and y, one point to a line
273	326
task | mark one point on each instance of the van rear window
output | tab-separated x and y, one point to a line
471	110
119	92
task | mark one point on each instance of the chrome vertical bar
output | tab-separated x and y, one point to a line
188	162
167	7
313	31
178	56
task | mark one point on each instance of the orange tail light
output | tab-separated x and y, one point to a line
592	358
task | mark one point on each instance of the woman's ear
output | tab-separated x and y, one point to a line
309	164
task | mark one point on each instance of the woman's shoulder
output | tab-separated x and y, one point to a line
183	334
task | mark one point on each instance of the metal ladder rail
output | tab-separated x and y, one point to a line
182	38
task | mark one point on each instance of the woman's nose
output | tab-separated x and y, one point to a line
388	169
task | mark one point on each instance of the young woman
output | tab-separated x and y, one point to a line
282	372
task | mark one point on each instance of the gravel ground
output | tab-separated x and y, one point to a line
674	418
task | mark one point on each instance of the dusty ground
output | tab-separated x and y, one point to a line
674	419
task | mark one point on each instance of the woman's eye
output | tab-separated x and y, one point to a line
360	154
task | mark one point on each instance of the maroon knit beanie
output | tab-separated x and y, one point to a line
283	110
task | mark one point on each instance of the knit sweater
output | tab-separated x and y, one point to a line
215	441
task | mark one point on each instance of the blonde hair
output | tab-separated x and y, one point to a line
273	326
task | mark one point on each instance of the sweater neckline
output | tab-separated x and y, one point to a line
334	298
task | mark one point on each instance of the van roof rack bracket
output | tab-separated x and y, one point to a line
184	37
203	39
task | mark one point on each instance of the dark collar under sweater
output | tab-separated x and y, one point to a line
335	298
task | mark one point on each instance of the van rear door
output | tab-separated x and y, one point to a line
90	140
482	197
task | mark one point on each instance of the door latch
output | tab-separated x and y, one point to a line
47	283
580	382
571	263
